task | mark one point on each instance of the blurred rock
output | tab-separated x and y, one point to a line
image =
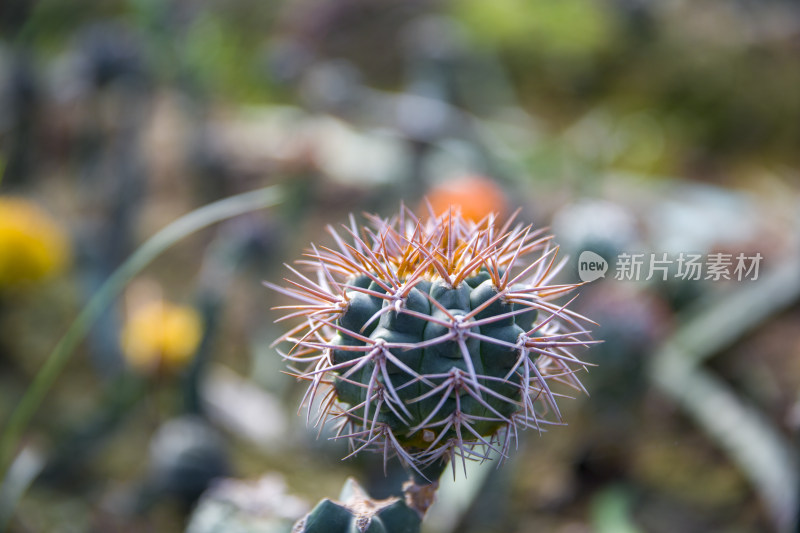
259	506
185	456
245	409
601	226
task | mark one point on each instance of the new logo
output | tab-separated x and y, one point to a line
591	266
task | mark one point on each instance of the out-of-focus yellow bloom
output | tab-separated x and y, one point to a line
32	245
160	336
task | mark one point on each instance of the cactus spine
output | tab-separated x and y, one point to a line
432	338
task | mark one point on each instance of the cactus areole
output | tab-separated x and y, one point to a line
431	338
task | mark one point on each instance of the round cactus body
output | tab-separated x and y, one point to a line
433	338
356	512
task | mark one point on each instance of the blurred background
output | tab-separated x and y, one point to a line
624	125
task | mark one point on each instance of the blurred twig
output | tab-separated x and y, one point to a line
741	430
152	248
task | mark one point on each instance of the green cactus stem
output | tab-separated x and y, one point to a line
431	339
356	512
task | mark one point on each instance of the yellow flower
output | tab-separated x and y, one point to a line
160	335
32	245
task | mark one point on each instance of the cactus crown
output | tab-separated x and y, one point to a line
432	338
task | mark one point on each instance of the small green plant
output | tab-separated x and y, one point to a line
356	512
432	339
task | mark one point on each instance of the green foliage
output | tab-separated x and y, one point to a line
567	28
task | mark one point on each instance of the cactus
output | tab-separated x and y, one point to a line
356	512
432	338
